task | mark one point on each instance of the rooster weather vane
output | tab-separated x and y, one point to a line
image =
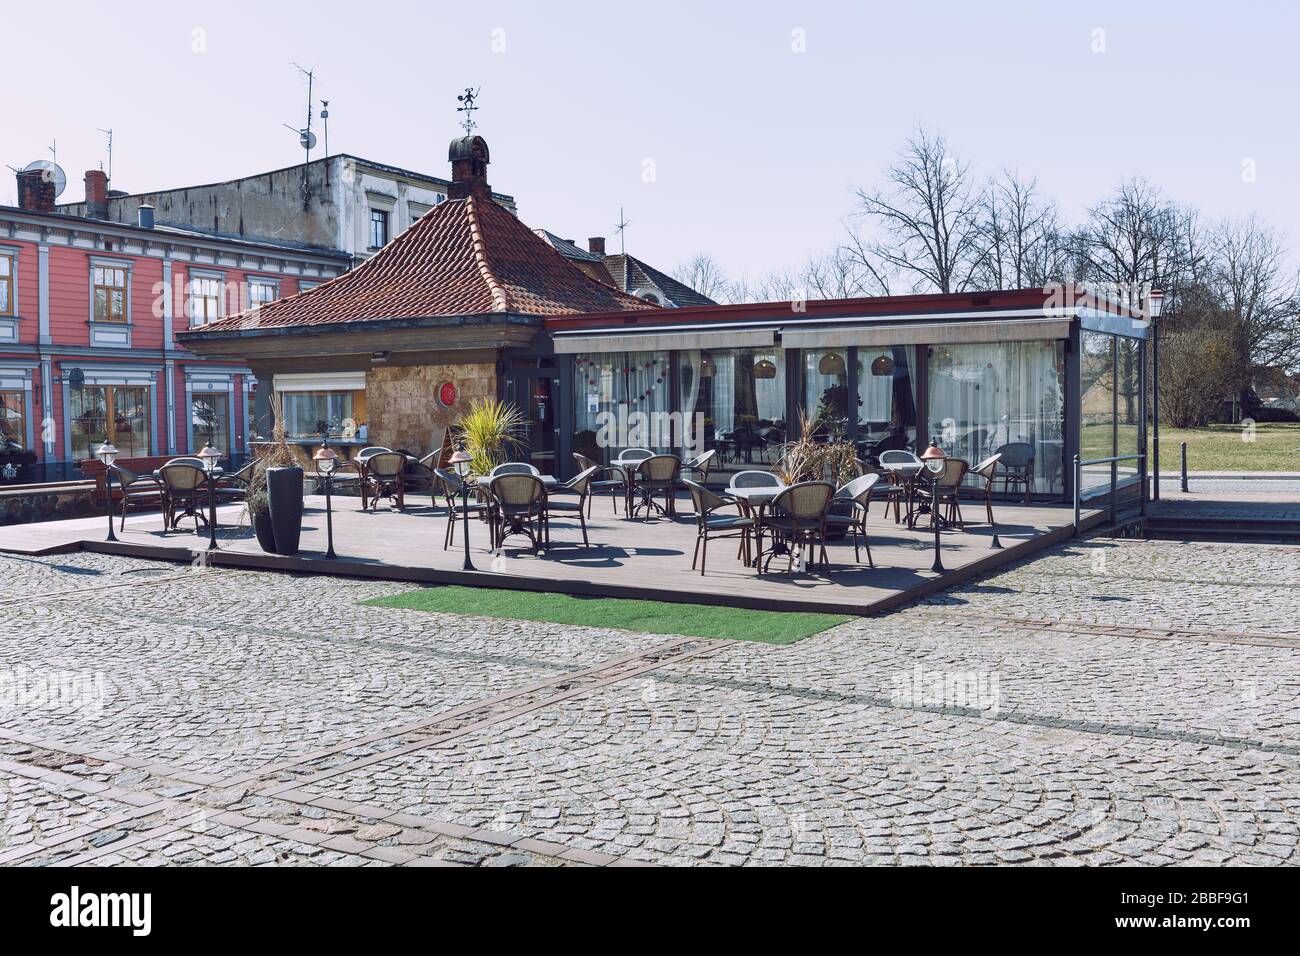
467	100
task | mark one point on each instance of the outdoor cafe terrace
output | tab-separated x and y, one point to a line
648	555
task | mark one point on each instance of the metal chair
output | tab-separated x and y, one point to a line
943	491
699	467
556	503
185	489
519	507
798	517
384	476
452	485
858	495
905	482
135	487
707	522
657	474
615	486
1017	467
987	469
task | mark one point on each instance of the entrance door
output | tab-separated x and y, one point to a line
115	413
535	396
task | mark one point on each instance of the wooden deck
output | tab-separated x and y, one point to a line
627	558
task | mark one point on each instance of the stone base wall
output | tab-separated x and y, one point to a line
402	401
25	507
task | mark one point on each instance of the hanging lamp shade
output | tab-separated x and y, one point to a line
764	368
832	363
882	365
707	367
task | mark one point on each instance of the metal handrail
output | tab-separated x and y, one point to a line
1113	461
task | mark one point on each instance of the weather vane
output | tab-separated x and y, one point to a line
467	99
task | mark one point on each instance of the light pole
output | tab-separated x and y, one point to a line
935	461
460	461
108	454
210	456
326	462
1155	302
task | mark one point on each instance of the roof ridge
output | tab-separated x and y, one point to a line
500	299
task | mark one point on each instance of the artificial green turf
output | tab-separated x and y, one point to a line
652	617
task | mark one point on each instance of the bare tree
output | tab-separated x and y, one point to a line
928	215
1020	244
1257	290
705	275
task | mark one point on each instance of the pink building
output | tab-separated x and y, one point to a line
88	313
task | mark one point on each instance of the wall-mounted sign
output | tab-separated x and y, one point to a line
447	394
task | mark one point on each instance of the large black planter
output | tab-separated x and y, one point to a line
284	489
262	528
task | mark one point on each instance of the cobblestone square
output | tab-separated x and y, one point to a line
1108	702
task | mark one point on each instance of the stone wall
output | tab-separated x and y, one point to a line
24	506
402	401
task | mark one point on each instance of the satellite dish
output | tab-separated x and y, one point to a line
51	173
307	138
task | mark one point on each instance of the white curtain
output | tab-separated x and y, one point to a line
724	391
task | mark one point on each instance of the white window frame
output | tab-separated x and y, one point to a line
191	296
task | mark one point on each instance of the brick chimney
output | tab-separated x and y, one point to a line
596	245
35	190
96	194
469	162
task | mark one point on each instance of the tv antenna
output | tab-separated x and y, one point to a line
108	133
620	229
306	138
467	99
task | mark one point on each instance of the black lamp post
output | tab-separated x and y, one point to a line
108	454
1155	302
210	456
934	461
460	461
327	461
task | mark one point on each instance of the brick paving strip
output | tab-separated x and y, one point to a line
1209	635
185	808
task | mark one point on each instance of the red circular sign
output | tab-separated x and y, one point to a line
447	394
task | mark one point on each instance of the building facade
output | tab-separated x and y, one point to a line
89	311
340	202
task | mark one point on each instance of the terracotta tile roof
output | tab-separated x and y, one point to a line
464	257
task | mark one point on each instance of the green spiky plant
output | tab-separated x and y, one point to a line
489	432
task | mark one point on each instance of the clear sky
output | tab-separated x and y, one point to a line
753	145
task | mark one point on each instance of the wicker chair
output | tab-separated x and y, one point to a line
135	487
513	468
519	507
708	522
858	494
451	485
698	468
798	516
988	469
184	489
1017	467
755	479
617	487
658	474
558	501
943	492
385	477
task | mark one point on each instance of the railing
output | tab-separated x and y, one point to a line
1114	483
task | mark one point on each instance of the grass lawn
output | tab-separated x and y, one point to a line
653	617
1276	446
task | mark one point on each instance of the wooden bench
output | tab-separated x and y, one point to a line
94	468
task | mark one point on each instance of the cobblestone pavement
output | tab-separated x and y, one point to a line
1109	702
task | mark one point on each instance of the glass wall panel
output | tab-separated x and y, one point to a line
210	420
1097	390
1128	427
113	413
307	414
1002	396
13	422
621	400
826	390
739	395
886	400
